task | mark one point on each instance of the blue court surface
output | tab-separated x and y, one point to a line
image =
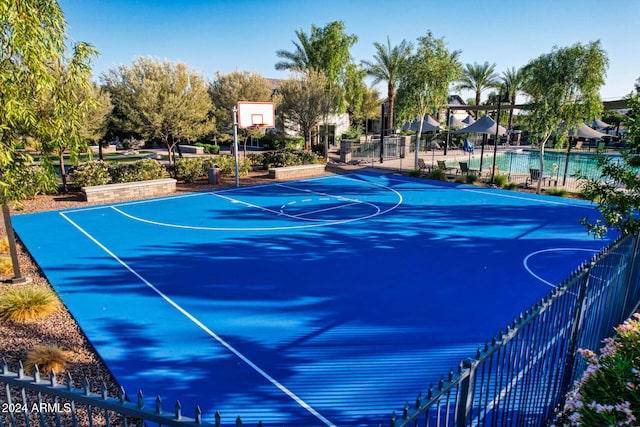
326	301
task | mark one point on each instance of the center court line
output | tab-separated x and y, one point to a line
208	331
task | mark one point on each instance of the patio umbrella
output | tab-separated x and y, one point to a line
429	124
468	120
454	122
484	124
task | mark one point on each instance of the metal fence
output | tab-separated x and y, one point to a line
32	401
522	376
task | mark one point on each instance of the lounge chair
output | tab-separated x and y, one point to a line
443	166
464	169
534	176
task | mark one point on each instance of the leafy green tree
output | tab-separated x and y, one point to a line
160	100
386	66
478	77
238	86
355	92
306	99
617	190
64	108
33	41
563	88
424	85
512	81
94	125
325	50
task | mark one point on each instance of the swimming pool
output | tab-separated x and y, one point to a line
555	163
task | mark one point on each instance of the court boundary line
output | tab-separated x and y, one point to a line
314	224
525	261
205	328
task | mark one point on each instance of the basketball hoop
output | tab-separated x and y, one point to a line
256	115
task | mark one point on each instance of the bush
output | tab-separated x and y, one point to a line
190	169
471	178
438	175
288	157
142	170
609	391
47	358
93	172
500	181
25	304
557	192
416	173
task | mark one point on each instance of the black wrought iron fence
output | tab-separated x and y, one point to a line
522	376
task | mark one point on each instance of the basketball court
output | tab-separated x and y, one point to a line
320	302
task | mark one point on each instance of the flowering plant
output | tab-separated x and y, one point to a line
608	394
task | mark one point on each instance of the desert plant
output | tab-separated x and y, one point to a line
416	173
25	304
47	358
471	178
6	266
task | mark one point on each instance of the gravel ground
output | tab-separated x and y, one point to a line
61	328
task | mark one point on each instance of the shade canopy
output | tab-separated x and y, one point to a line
468	120
599	124
484	124
584	131
454	122
429	124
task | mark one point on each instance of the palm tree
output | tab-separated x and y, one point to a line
386	66
478	77
512	80
301	59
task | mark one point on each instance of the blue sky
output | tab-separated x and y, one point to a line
244	35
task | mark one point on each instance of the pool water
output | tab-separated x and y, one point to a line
555	163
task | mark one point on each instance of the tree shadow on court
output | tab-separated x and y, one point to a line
354	318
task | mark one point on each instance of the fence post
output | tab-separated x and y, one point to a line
572	347
466	393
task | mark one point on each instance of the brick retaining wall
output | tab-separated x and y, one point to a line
129	190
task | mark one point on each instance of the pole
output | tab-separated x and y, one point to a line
446	142
495	142
235	144
382	134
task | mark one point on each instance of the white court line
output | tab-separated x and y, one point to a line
525	261
530	199
208	331
311	222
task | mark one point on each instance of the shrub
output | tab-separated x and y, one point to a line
438	175
93	172
47	358
557	192
142	170
416	173
6	266
500	181
471	178
609	391
288	157
190	169
25	304
226	163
